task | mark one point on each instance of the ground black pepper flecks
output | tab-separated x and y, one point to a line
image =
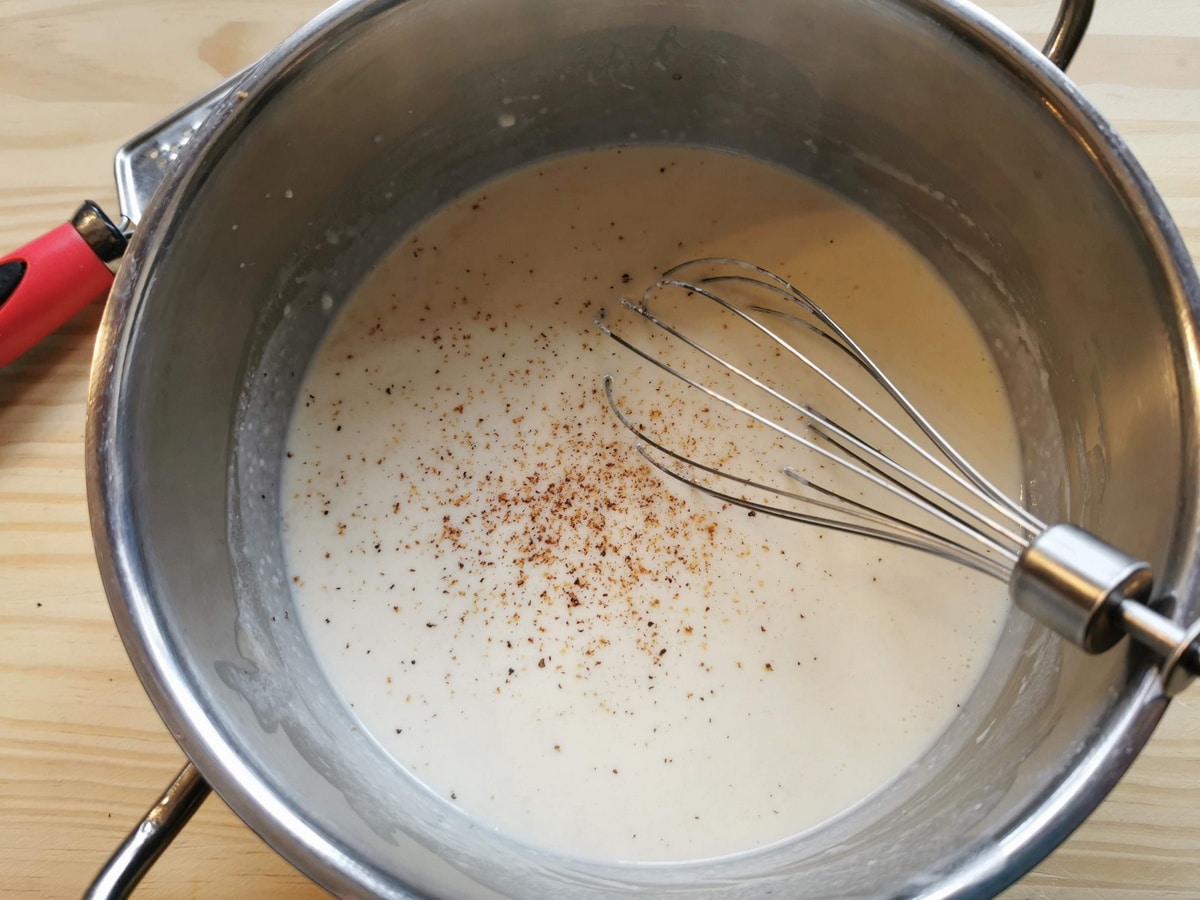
519	608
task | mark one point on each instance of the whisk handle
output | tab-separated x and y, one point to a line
1178	648
1073	582
1093	594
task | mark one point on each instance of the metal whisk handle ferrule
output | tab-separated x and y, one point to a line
1093	594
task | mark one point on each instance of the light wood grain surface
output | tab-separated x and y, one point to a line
82	751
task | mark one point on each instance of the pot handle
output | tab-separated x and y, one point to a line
150	837
52	277
1069	27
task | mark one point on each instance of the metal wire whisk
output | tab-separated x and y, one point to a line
1070	580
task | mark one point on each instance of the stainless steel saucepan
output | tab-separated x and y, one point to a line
927	113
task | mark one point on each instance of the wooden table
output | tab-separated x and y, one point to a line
82	752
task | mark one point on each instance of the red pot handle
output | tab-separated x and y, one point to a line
54	276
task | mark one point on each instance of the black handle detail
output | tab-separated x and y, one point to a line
11	274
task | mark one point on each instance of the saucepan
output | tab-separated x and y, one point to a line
927	113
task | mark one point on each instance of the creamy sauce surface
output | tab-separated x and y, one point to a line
536	624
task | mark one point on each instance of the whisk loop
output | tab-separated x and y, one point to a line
1068	579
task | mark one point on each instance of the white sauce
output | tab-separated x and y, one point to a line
521	611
